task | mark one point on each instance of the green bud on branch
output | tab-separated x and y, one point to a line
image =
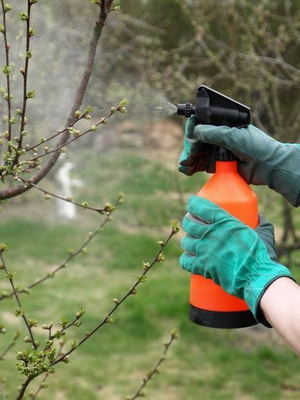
88	110
141	278
63	322
19	312
3	247
32	323
30	94
6	70
31	32
160	258
77	114
146	266
10	275
8	7
123	103
28	54
80	313
23	16
175	227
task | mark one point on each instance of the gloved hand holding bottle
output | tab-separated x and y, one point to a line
214	237
262	159
241	260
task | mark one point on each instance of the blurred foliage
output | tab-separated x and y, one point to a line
248	50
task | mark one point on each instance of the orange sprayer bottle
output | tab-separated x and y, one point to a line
210	305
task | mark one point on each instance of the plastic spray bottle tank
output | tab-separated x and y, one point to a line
210	305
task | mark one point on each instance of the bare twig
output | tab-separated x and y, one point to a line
10	346
24	71
25	386
20	311
7	67
56	134
72	255
155	369
83	205
77	136
41	386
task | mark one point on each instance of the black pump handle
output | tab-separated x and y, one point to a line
214	108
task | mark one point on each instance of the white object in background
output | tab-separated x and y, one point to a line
66	210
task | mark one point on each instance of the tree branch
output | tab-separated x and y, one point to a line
17	190
108	210
118	302
7	65
155	370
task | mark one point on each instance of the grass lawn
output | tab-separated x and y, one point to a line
206	364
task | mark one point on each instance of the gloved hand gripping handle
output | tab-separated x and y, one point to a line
214	108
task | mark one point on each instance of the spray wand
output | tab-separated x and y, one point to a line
210	305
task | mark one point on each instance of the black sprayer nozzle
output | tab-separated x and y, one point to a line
186	109
214	108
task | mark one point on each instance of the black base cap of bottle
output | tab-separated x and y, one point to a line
222	320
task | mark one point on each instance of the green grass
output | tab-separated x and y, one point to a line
203	364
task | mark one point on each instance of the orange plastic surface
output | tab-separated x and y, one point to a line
227	189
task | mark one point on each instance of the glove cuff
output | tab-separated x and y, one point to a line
258	283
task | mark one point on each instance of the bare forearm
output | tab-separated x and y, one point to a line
281	307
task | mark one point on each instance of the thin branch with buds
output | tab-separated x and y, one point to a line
132	291
108	210
7	67
156	368
84	205
10	346
45	140
77	134
20	311
24	72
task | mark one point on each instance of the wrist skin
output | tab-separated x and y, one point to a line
280	305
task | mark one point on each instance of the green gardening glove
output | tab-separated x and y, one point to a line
241	260
263	160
